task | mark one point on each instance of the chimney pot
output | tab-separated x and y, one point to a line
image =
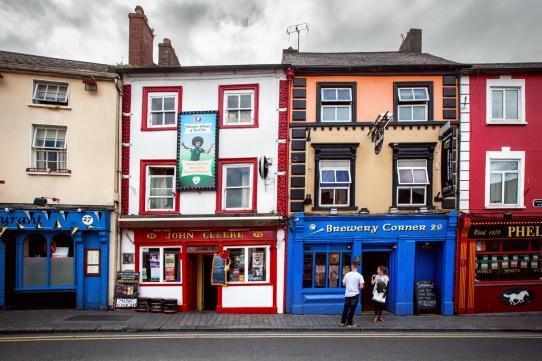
166	54
139	10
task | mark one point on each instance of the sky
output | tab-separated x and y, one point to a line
212	32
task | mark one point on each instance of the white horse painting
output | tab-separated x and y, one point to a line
515	298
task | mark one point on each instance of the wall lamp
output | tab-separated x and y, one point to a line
507	215
308	199
42	201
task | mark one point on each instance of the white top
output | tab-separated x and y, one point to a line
380	278
352	281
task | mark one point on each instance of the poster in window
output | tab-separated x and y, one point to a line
169	267
154	261
196	150
320	277
257	266
333	276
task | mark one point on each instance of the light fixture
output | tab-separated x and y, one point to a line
42	201
90	83
394	210
7	209
507	215
308	199
333	211
423	209
363	211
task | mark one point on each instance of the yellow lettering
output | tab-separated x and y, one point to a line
511	230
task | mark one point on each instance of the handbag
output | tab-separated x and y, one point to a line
381	287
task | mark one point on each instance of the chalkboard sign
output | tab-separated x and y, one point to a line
126	290
218	276
425	296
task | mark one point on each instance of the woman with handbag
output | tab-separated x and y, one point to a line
380	289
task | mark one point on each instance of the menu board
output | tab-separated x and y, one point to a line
425	297
126	290
218	276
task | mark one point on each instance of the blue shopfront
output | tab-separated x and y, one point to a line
54	258
414	247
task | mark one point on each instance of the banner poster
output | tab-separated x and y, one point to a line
197	150
154	261
169	266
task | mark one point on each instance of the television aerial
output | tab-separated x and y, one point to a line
297	28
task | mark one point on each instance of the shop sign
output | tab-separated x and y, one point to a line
533	230
517	296
537	203
425	297
197	150
447	160
175	235
376	130
52	220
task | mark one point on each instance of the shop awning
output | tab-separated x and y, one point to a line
201	221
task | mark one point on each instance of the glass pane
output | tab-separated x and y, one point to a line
233	116
489	246
497	104
237	266
346	263
161	171
419	113
405	94
35	261
246	101
536	245
237	198
156	118
329	94
154	265
412	163
504	165
172	265
320	270
169	103
420	176
161	203
169	118
515	245
420	94
156	103
62	271
343	114
245	116
405	176
237	176
256	264
403	195
307	270
343	176
405	113
328	114
333	270
326	196
343	94
495	189
233	101
511	104
418	195
328	176
341	197
511	188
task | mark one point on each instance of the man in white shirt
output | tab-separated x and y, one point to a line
353	281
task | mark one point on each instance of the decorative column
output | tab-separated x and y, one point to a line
79	251
103	236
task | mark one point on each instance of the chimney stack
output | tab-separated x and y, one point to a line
140	41
413	42
166	54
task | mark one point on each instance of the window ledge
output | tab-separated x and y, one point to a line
50	106
37	171
339	209
504	207
506	122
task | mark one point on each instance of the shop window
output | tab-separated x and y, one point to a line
238	106
161	107
237	182
160	265
504	179
505	101
325	269
48	264
336	102
248	264
46	92
509	259
49	148
413	101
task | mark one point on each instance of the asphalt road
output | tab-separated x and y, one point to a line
275	347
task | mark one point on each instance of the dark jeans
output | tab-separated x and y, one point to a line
379	306
350	304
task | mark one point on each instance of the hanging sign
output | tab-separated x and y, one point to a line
447	160
197	140
376	130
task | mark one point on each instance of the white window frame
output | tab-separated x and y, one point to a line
425	99
505	83
412	103
148	188
225	168
343	103
267	264
152	95
58	150
412	185
505	154
162	265
239	92
327	165
48	83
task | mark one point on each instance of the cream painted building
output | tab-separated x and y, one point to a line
58	182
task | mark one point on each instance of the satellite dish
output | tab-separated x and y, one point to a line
264	167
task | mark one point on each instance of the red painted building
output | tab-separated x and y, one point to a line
499	251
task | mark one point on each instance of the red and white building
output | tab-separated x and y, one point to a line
499	253
169	234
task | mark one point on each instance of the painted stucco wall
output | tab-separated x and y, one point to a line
90	118
485	138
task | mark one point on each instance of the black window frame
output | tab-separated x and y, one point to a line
324	85
416	84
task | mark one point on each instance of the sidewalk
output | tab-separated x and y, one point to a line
72	321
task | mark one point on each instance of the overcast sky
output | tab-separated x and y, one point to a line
205	32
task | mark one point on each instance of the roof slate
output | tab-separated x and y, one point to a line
43	64
366	59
